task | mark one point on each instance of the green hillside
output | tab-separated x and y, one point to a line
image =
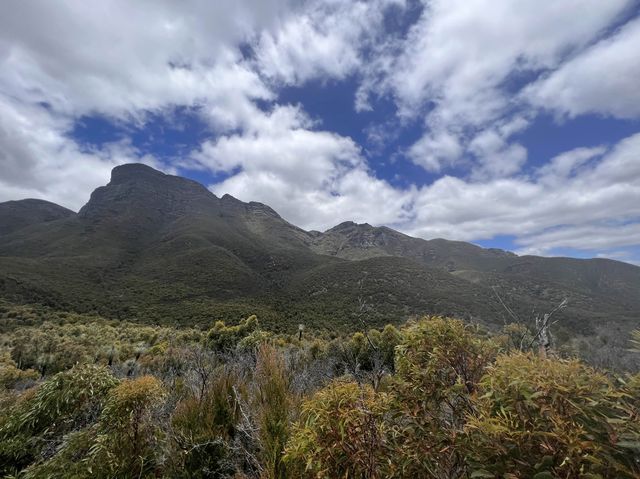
157	248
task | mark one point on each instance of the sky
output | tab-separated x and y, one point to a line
509	124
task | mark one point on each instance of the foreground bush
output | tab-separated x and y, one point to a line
437	398
457	409
38	421
548	417
341	433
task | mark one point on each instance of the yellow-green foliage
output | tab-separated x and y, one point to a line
536	415
457	409
435	399
274	405
438	366
128	440
51	347
225	338
40	418
11	375
204	427
341	433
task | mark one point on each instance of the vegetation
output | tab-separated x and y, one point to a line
163	250
82	396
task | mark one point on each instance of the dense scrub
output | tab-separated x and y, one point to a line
85	397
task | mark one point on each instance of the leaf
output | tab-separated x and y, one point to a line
481	473
629	444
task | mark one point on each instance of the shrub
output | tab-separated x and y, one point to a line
274	403
341	433
129	438
539	417
204	427
67	401
438	366
223	338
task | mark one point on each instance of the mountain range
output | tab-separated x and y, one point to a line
158	248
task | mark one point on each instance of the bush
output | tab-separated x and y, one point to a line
537	416
439	364
223	338
39	420
129	438
204	427
341	433
274	404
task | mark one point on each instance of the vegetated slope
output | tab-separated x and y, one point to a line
160	248
15	215
596	288
149	240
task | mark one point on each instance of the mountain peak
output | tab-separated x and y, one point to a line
342	226
135	187
15	215
132	172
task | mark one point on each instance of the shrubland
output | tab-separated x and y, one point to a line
82	396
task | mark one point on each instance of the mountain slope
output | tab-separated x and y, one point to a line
15	215
610	282
160	248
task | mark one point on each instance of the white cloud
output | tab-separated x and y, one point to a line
324	41
562	166
590	237
459	59
436	150
496	158
581	191
460	51
314	179
120	57
39	161
603	79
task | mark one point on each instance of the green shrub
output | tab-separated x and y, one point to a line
341	433
559	417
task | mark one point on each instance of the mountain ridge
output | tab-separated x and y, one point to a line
157	247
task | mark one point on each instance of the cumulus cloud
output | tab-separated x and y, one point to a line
313	178
436	150
588	199
39	161
461	60
327	40
603	79
121	60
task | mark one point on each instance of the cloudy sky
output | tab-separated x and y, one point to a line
512	124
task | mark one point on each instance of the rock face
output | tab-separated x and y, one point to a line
156	247
139	190
15	215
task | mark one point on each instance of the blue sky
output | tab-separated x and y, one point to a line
510	125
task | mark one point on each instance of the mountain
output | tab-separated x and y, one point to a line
160	248
606	280
15	215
